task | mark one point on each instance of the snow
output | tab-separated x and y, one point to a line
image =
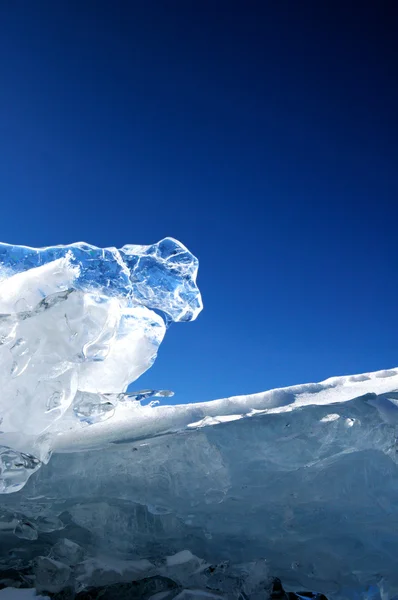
138	422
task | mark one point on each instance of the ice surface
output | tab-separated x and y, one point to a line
20	594
217	500
221	497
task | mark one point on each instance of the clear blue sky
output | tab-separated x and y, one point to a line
263	135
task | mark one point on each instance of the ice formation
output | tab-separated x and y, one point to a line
78	324
218	500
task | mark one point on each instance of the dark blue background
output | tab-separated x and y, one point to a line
261	134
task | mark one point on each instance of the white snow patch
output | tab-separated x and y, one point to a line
132	422
330	418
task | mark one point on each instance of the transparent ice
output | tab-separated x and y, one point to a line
78	324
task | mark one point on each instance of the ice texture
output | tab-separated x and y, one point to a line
78	324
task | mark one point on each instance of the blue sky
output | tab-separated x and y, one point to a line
263	135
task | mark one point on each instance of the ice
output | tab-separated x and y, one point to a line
15	467
302	486
20	594
78	324
67	552
113	493
26	530
161	276
51	575
48	524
